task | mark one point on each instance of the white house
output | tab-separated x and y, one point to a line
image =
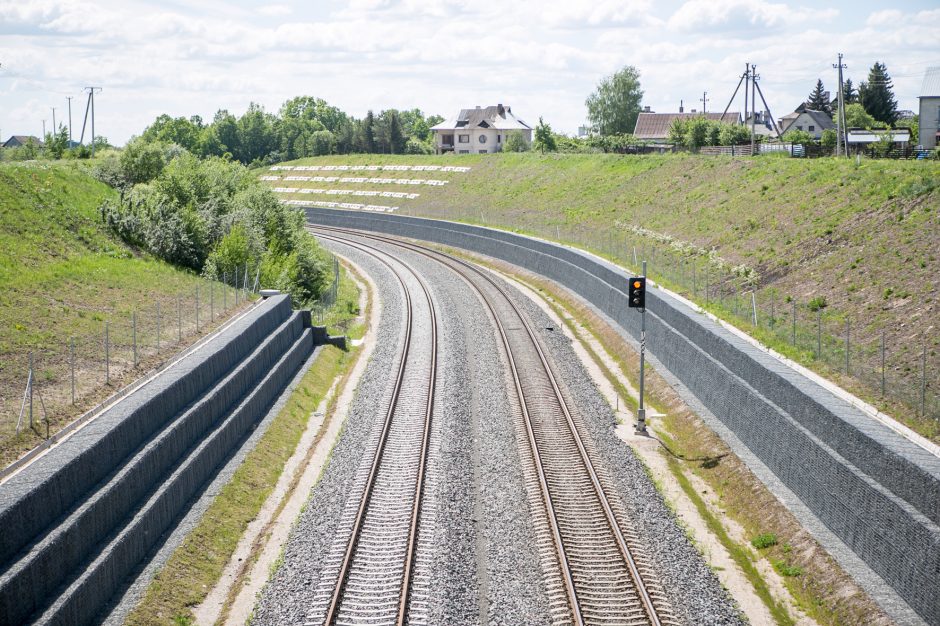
478	131
930	108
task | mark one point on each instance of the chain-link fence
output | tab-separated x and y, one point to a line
895	367
45	387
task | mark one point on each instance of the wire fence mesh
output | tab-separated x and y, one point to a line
47	384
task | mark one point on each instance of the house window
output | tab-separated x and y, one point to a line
482	151
499	138
463	138
482	138
799	128
812	128
464	152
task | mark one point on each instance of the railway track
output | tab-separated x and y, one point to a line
372	561
596	570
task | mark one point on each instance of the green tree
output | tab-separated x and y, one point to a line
615	105
142	161
678	131
58	142
396	134
515	142
544	138
829	138
733	134
877	97
798	136
857	117
849	92
914	125
322	143
225	126
818	101
367	133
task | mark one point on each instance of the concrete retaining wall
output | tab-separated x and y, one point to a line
878	492
173	433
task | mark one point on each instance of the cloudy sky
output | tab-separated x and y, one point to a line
542	57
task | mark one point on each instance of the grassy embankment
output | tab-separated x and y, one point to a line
197	564
62	275
857	242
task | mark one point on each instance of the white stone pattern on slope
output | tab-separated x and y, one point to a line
360	179
369	168
349	192
379	208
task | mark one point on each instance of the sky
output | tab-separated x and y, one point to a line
541	57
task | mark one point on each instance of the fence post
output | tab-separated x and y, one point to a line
211	302
754	307
197	308
179	319
29	383
134	331
847	331
923	383
706	284
158	325
794	322
694	283
819	333
224	292
236	285
107	356
882	363
72	363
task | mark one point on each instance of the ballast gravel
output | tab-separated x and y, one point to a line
695	593
483	565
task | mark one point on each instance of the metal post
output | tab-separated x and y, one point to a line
211	302
847	329
882	363
72	362
923	383
179	319
706	285
197	308
794	322
754	307
694	285
818	333
158	325
29	383
134	326
641	413
224	292
107	355
236	285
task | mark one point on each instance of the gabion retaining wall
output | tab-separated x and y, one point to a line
877	491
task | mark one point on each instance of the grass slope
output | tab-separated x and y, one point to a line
863	237
62	274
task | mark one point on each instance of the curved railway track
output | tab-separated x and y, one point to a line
600	574
373	559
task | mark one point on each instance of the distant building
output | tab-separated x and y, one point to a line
930	109
808	120
860	138
17	141
654	127
585	131
478	131
763	125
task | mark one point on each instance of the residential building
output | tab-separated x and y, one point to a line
930	109
813	122
478	131
860	138
762	124
16	141
654	127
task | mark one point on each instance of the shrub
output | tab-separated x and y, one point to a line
818	303
798	136
764	541
416	146
515	142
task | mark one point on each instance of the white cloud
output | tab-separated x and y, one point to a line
717	16
275	10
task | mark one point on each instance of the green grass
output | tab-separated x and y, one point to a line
862	238
62	275
198	562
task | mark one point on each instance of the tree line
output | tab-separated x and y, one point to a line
304	126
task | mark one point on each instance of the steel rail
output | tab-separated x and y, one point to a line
333	610
602	498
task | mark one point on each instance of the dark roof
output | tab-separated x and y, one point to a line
821	119
656	125
21	140
498	117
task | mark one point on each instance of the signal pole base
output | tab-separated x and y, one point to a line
641	422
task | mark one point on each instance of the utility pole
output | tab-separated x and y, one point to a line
53	121
69	98
747	77
704	101
754	78
44	130
840	115
91	101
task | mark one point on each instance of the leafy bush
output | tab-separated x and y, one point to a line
818	303
798	136
515	142
829	138
764	541
417	146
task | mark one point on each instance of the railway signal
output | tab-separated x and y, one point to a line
636	299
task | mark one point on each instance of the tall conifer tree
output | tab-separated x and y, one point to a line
877	95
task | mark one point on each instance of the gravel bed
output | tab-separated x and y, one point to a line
483	566
695	593
288	594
